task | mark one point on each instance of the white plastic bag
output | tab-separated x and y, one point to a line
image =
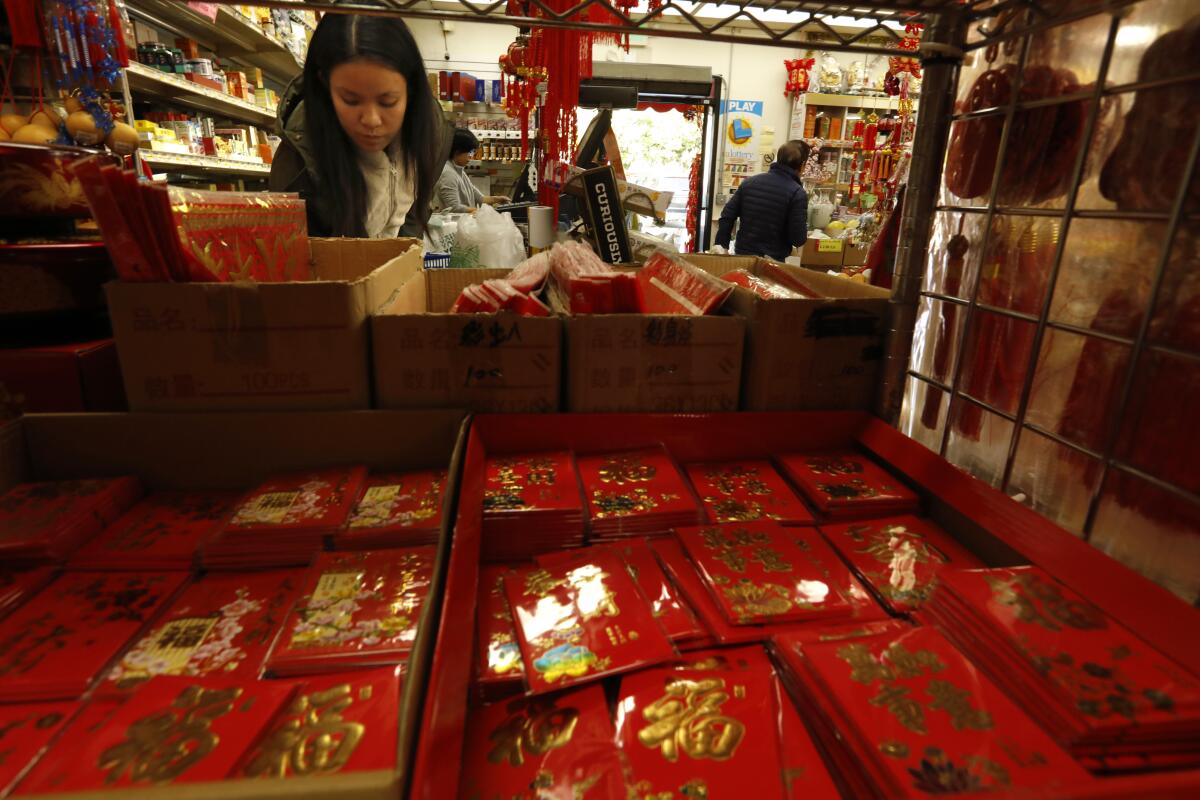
487	238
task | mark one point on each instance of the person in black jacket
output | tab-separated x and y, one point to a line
773	208
364	141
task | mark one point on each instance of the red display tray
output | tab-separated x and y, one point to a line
986	519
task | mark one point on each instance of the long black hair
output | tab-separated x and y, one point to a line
340	186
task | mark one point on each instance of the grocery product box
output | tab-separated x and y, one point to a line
426	357
645	362
821	252
807	353
179	451
246	346
83	376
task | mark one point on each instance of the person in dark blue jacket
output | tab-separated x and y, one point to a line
773	208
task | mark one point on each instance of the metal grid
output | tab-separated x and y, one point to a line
1138	345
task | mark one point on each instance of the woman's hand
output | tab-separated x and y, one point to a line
496	199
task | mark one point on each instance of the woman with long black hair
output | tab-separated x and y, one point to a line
364	141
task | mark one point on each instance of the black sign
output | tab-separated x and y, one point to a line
606	218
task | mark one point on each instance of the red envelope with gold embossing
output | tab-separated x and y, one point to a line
531	504
55	645
746	491
48	521
163	531
355	609
700	733
333	724
899	558
636	493
846	484
551	746
395	510
582	619
173	730
221	625
759	572
499	654
25	729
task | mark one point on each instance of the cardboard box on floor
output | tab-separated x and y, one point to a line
247	346
238	450
424	356
809	354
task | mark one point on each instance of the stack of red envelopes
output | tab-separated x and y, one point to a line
558	746
1089	681
284	522
907	715
334	724
48	521
673	613
25	729
163	531
500	667
582	617
859	605
636	493
847	485
57	643
170	731
17	587
402	509
531	504
899	558
358	609
702	732
221	625
745	491
669	285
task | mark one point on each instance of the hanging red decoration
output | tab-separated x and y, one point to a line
901	64
797	76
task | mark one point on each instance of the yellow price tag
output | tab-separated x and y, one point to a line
829	245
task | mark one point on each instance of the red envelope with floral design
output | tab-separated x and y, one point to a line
746	491
759	572
580	620
334	724
701	733
173	730
847	484
163	531
499	653
899	557
55	645
356	609
551	746
319	500
220	626
25	729
395	509
50	520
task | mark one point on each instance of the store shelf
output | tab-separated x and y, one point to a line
482	134
851	100
231	35
149	82
176	162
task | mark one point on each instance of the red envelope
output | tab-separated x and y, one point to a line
635	493
25	729
319	500
356	609
55	645
746	491
670	609
846	484
395	510
173	730
499	653
558	746
580	620
669	285
163	531
50	520
334	724
17	587
220	626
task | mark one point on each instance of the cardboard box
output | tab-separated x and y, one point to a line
235	451
811	354
637	362
425	357
640	199
821	252
67	377
854	256
246	346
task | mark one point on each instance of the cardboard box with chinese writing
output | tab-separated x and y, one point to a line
424	357
807	353
639	362
234	450
247	346
821	253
